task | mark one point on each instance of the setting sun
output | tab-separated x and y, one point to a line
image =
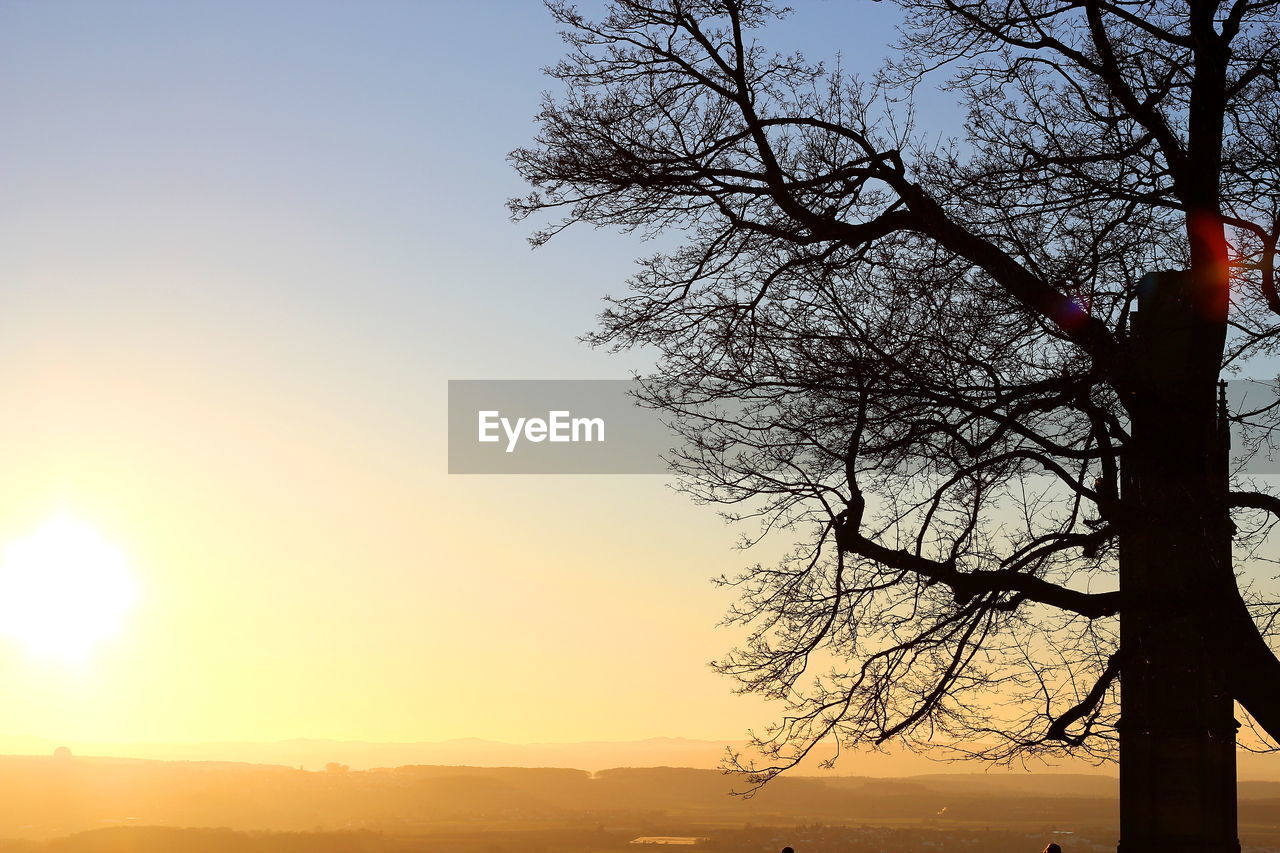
63	588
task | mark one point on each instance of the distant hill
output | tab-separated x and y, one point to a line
591	755
46	797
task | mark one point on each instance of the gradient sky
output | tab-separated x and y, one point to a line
243	245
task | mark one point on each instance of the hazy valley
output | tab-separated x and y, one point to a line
107	804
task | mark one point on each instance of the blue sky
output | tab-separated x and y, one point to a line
338	167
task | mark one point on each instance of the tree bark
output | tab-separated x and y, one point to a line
1177	730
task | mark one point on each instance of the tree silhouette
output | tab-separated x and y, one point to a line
952	372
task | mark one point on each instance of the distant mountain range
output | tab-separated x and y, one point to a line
314	754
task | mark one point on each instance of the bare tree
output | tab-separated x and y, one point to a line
951	371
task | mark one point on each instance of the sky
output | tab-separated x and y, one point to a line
243	247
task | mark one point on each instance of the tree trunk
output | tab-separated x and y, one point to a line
1177	729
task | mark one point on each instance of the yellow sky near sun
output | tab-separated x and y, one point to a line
297	577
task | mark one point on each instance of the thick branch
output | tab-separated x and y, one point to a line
966	585
1085	707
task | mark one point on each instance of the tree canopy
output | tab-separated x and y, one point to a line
916	356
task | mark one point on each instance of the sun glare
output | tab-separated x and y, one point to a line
63	589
